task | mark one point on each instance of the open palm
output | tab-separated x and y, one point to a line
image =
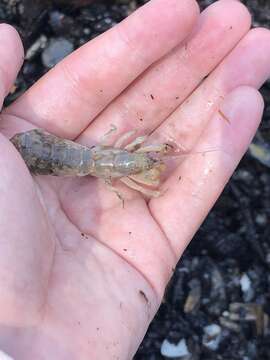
81	277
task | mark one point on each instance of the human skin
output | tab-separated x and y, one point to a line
81	277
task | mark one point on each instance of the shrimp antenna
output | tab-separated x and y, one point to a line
185	154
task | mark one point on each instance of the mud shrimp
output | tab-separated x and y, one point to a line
134	164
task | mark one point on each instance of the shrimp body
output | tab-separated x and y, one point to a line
47	154
110	162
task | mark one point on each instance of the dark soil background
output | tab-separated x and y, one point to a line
218	302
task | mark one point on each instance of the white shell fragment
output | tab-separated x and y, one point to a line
212	336
246	287
37	46
178	350
245	283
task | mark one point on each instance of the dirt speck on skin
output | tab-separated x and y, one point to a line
84	235
143	295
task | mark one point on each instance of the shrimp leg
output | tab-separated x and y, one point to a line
110	187
149	178
135	144
108	134
160	148
133	185
119	143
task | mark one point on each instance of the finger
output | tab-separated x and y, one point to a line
151	98
74	92
248	64
11	58
203	175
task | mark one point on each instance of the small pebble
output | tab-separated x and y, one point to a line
245	283
60	23
261	152
246	288
212	336
243	175
57	50
86	31
261	219
178	350
265	178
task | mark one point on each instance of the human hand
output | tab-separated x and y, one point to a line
80	276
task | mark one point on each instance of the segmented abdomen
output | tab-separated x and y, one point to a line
47	154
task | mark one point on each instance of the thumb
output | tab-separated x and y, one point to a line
11	59
26	247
